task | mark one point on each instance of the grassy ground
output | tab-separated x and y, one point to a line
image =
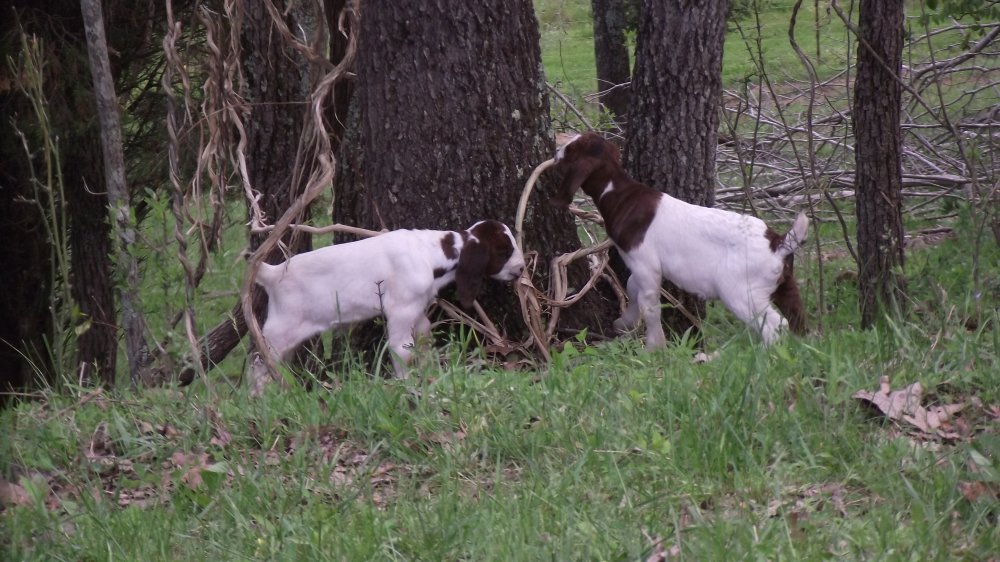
609	452
758	454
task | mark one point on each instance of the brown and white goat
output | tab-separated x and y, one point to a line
396	274
712	253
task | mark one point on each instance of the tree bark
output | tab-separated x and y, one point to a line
674	117
25	279
343	91
92	283
118	195
611	55
877	154
451	117
68	83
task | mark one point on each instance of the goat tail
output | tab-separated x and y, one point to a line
268	275
795	235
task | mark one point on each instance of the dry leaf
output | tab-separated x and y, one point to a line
661	553
221	436
976	489
702	357
13	494
192	478
100	446
893	404
905	406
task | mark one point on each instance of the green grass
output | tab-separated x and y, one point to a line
759	454
568	38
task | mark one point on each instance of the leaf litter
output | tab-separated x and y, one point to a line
905	407
152	476
968	421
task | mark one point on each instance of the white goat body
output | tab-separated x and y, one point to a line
710	252
396	274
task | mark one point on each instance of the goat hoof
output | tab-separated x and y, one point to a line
621	326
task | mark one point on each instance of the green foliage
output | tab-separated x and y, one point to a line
977	10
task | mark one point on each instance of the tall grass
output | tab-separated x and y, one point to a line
43	156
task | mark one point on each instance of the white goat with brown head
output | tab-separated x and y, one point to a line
396	274
712	253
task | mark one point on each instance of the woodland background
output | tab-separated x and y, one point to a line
147	165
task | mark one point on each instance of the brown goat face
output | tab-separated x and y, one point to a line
490	252
579	159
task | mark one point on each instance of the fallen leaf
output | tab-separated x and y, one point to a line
702	357
100	446
976	490
192	478
13	494
659	552
221	436
905	406
893	404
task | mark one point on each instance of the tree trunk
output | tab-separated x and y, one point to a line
92	280
118	196
877	150
674	117
25	279
611	55
452	116
343	91
68	88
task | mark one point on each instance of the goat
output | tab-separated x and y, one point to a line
712	253
396	274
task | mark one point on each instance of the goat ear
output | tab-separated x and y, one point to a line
574	177
471	270
616	155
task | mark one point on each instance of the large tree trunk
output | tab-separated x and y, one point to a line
451	118
877	149
25	279
92	281
611	54
674	117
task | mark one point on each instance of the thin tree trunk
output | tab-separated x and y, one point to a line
611	55
674	116
877	153
118	196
